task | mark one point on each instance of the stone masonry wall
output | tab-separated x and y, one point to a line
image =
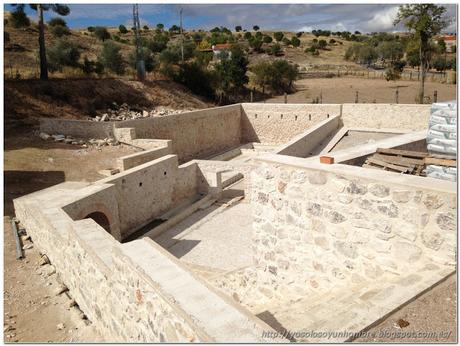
279	123
399	116
125	302
315	229
196	134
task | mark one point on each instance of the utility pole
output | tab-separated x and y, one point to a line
181	36
140	63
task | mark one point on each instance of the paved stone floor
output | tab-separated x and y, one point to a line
218	237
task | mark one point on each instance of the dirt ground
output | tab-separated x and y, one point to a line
343	90
34	313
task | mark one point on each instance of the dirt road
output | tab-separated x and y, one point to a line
343	90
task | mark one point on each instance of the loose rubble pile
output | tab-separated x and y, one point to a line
83	143
123	112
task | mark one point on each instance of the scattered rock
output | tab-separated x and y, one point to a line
401	323
60	326
28	246
44	136
44	260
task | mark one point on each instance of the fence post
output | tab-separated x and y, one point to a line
356	97
252	96
435	96
397	95
321	96
285	97
410	75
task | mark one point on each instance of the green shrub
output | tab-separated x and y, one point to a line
278	36
149	59
19	18
101	33
278	75
295	42
267	39
62	53
57	21
122	29
111	58
198	79
59	31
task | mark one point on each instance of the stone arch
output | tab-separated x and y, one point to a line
101	219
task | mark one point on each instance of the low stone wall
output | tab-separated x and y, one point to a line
379	115
279	123
196	134
302	145
318	226
133	292
77	128
133	160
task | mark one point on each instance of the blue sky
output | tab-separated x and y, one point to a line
295	17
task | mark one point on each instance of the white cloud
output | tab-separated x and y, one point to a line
382	20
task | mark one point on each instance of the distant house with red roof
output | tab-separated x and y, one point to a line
451	40
218	49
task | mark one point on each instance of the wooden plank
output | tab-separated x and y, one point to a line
390	165
408	153
366	165
399	160
440	162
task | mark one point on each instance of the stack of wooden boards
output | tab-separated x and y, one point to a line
406	161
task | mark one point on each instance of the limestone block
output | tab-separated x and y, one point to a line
322	242
446	221
432	239
356	188
314	209
379	190
388	208
401	196
334	217
347	249
405	230
406	251
317	178
379	245
344	198
432	201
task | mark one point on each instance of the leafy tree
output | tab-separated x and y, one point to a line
238	28
247	35
390	51
275	49
267	39
279	75
197	78
295	41
231	72
62	53
426	20
357	32
101	33
19	18
60	9
322	44
160	26
122	29
174	29
286	41
111	58
158	43
57	21
332	41
255	28
149	59
298	34
59	30
91	29
146	28
256	43
442	46
278	36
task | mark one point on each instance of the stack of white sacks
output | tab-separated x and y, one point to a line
442	139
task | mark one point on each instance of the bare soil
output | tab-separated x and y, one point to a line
343	90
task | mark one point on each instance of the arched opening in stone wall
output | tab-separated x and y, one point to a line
101	219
